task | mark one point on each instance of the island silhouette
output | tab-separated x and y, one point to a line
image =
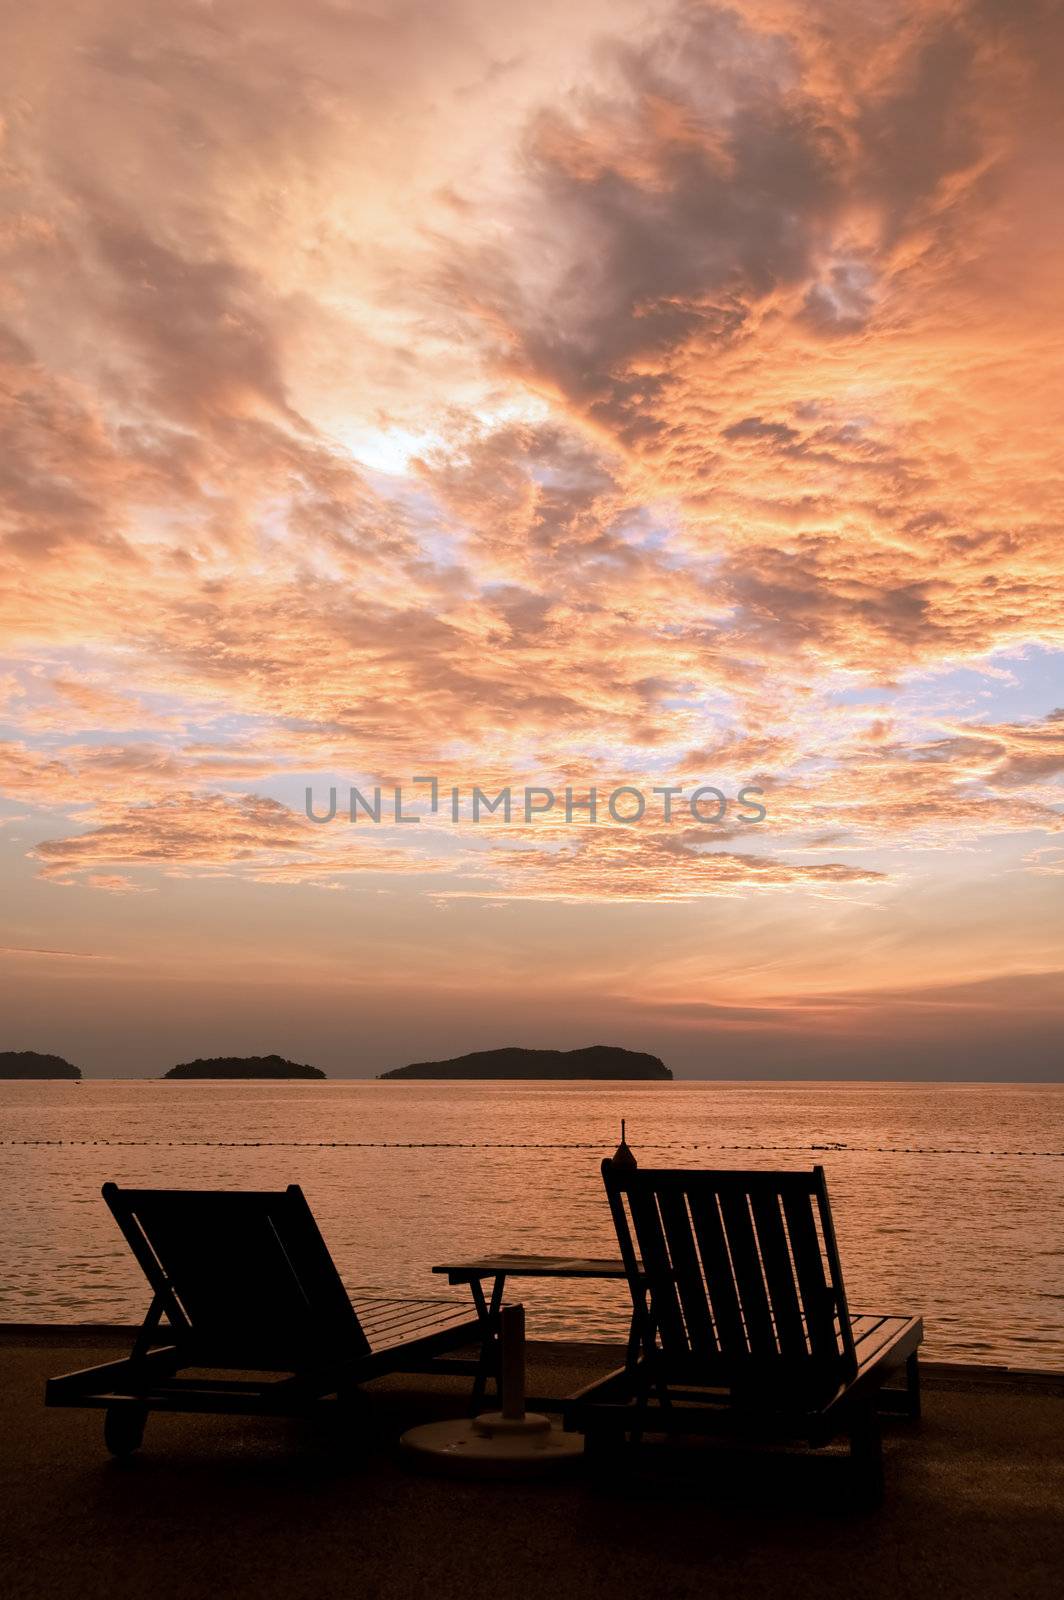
31	1064
602	1061
243	1067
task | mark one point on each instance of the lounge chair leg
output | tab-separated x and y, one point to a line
866	1453
912	1374
123	1427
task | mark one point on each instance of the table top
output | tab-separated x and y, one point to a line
521	1266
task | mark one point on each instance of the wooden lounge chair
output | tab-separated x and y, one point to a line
256	1306
740	1318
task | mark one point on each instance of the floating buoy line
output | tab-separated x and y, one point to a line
488	1144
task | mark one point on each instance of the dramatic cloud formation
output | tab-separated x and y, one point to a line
596	395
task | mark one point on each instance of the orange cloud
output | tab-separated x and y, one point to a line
595	395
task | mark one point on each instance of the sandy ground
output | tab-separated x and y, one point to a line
228	1507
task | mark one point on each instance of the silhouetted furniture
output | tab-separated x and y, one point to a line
473	1270
247	1286
741	1318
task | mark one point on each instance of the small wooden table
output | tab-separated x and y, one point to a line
508	1265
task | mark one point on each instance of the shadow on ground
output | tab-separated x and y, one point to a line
230	1507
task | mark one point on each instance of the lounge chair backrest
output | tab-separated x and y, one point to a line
742	1273
244	1277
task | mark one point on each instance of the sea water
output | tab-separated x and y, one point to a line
948	1198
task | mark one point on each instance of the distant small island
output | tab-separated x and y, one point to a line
31	1064
601	1061
243	1067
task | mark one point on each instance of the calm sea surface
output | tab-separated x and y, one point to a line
948	1199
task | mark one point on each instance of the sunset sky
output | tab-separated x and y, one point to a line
559	394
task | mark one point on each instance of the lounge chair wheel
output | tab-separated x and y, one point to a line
123	1428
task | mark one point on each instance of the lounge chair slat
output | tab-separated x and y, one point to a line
746	1264
731	1180
382	1305
818	1302
779	1274
658	1268
720	1280
872	1335
395	1330
687	1274
399	1325
865	1326
838	1288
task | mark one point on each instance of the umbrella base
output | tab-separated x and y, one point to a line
493	1446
